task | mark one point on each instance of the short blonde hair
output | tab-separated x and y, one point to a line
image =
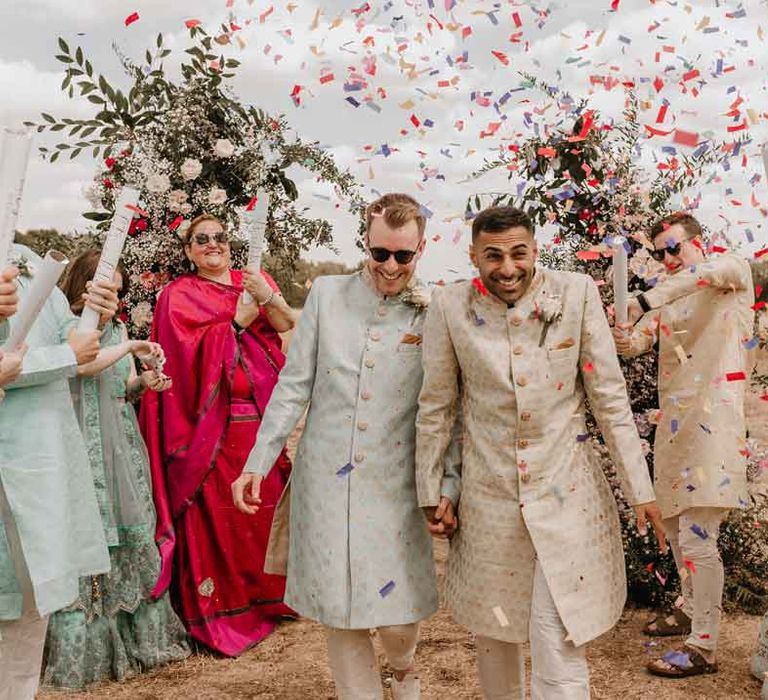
397	209
200	220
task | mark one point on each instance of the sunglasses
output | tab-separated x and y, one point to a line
402	257
205	238
671	248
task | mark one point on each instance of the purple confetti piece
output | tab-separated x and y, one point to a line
582	437
674	426
348	467
696	530
353	101
387	589
751	343
724	482
690	487
677	658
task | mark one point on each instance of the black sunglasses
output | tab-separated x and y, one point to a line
205	238
672	249
402	257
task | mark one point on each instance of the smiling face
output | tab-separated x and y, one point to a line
211	258
506	261
390	277
680	251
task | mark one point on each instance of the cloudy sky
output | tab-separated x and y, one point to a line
444	95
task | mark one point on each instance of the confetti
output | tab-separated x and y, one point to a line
346	469
386	589
130	19
500	616
699	532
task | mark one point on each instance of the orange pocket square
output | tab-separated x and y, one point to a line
410	339
567	343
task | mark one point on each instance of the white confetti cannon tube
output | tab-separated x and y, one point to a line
14	157
255	225
620	279
111	251
44	281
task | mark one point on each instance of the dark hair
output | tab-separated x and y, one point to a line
397	209
690	224
80	271
498	219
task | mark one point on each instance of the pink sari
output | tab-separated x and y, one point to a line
199	434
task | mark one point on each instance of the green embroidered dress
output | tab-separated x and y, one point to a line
113	630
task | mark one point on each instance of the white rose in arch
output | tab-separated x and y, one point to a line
217	196
191	168
157	184
224	148
141	314
177	199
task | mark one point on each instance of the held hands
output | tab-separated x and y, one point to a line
650	511
9	299
256	285
245	493
10	365
146	351
84	345
441	520
155	382
101	296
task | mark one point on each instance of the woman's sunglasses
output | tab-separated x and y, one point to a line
205	238
402	257
672	249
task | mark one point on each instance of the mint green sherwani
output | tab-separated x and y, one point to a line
44	469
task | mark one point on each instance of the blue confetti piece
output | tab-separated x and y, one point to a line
751	343
696	530
675	425
677	658
385	150
387	589
582	437
724	482
348	467
353	101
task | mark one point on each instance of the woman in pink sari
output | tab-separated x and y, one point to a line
223	357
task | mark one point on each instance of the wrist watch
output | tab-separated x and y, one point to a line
238	328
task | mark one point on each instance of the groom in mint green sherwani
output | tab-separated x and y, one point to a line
50	527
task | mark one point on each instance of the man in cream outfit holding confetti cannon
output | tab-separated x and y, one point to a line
538	553
360	553
702	318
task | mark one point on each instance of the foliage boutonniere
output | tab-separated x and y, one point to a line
417	296
548	309
23	265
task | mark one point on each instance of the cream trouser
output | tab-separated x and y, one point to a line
22	640
693	538
353	659
559	669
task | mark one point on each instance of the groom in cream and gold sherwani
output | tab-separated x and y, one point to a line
538	553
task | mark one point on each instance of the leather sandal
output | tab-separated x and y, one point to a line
681	625
681	663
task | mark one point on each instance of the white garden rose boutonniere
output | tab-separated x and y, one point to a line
416	295
548	308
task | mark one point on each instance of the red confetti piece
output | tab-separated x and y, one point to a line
691	74
516	19
130	19
703	283
735	376
136	210
251	204
190	23
658	84
588	367
175	223
690	565
759	254
477	283
327	78
501	57
738	127
685	138
615	5
548	152
415	121
588	255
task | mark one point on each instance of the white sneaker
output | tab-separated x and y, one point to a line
407	689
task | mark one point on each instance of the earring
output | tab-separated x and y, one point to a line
192	266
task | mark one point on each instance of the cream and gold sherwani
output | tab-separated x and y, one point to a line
531	483
703	320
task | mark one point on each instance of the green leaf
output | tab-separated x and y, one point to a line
159	40
75	153
97	215
48	118
64	59
96	100
88	68
63	45
54	156
57	127
79	55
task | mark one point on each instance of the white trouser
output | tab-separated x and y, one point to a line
559	669
22	640
353	659
702	588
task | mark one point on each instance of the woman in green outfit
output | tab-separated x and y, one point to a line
114	630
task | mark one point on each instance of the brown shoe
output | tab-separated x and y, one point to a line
660	626
681	663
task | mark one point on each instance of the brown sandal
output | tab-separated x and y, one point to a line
682	625
681	663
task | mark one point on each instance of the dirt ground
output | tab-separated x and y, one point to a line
291	665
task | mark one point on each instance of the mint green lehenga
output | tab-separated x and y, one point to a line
113	630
